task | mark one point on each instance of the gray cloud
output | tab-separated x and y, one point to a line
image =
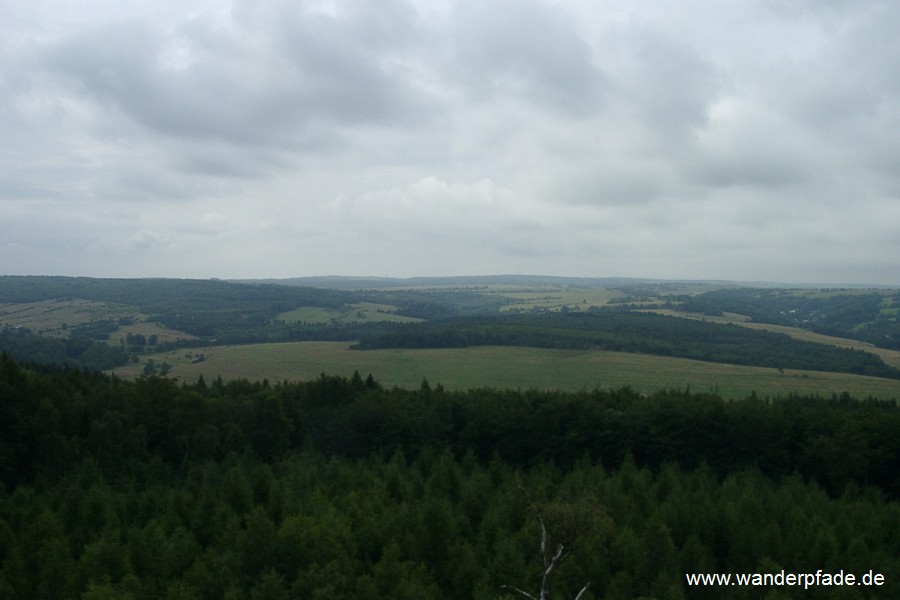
741	146
529	51
246	139
669	84
281	78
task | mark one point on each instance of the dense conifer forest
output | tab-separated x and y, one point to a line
340	488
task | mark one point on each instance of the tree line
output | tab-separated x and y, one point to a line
85	346
53	418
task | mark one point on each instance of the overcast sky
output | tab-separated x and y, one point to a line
744	140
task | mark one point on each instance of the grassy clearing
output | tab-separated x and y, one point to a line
361	312
162	333
310	314
507	367
56	318
53	318
555	297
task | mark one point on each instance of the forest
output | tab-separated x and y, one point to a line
342	488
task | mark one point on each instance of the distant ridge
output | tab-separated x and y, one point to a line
350	282
357	283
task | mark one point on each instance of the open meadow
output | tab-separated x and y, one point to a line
359	312
57	318
506	367
54	318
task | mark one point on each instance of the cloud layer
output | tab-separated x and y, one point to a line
240	139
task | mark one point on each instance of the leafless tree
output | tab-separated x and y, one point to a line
562	524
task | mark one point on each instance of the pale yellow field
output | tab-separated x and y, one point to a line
361	312
55	318
553	298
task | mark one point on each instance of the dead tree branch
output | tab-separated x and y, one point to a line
558	541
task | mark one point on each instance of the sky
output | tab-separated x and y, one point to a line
753	140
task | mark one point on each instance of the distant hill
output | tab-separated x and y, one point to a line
101	323
358	283
347	282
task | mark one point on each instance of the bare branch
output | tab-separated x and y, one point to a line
543	541
537	513
515	589
550	566
561	525
583	590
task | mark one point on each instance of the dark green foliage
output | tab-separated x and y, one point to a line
341	534
442	304
94	330
53	421
82	348
338	488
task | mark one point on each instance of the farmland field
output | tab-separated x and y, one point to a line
54	317
360	312
552	298
506	367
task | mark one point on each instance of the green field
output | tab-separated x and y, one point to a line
506	367
554	297
360	312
